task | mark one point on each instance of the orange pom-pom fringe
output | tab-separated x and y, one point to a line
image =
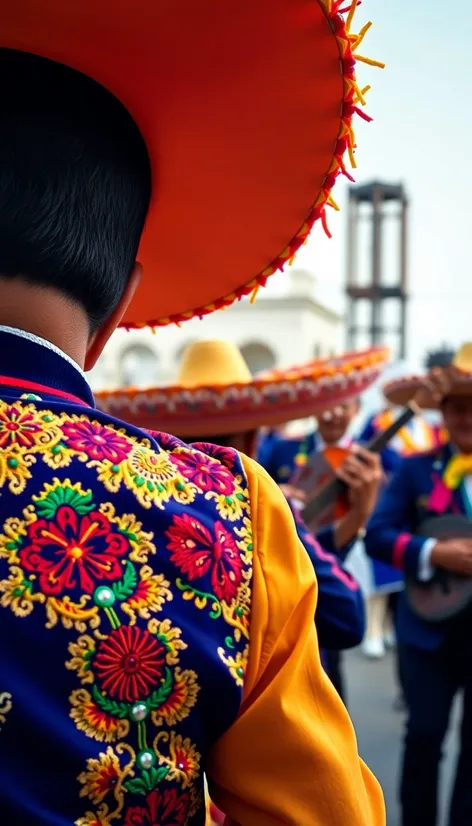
346	144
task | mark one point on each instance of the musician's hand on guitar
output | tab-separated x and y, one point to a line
438	382
362	473
453	555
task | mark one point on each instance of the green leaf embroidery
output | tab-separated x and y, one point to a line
113	707
81	502
161	694
150	778
136	786
203	598
129	535
26	585
126	586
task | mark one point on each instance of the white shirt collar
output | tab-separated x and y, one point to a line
345	442
15	331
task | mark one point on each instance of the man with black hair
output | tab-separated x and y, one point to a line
131	583
75	189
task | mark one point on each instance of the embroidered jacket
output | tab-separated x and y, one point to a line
134	573
415	492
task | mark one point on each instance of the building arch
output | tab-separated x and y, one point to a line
258	356
139	366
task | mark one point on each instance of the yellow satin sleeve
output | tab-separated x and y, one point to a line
291	756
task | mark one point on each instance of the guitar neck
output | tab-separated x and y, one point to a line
328	492
381	440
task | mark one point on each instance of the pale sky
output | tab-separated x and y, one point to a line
422	109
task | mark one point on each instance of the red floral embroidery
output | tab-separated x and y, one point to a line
95	722
18	427
196	553
225	455
162	809
165	439
97	441
73	551
129	663
205	472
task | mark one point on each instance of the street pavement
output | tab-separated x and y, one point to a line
371	692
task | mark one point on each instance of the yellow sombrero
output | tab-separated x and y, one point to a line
215	393
246	109
400	391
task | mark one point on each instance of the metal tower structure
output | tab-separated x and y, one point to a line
376	202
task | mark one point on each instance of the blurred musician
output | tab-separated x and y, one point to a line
436	657
362	473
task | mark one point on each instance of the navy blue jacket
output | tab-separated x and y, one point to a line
340	616
391	536
277	455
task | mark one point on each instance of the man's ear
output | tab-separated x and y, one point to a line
102	335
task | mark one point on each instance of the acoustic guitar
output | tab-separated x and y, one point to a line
447	594
320	498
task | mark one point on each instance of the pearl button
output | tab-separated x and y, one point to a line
139	712
104	596
146	759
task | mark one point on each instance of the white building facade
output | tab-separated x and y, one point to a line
275	331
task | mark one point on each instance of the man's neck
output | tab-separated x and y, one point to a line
342	442
45	313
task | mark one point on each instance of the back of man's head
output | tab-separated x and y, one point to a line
75	183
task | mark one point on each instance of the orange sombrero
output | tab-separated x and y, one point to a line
216	393
401	391
246	109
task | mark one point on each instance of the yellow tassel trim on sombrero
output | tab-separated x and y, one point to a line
354	97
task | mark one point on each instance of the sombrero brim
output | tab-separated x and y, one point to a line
246	109
270	399
401	391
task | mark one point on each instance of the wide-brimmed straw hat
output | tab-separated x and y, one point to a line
246	109
400	391
215	393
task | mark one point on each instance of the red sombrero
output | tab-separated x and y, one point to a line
246	109
401	391
216	393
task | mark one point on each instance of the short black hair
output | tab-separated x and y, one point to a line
75	183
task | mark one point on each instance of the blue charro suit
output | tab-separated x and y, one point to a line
435	658
128	571
114	720
277	455
391	532
340	617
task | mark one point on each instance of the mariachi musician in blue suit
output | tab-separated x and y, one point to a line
435	657
282	458
378	581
